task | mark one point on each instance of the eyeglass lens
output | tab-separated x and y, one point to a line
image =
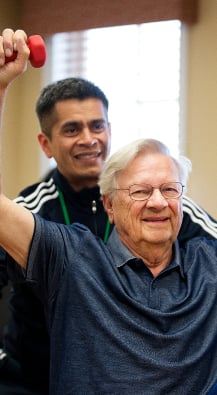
170	190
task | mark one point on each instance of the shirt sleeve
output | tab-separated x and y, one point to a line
46	257
53	248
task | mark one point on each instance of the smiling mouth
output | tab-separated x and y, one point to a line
88	156
155	220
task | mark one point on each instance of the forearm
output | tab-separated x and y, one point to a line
17	223
2	101
9	71
16	230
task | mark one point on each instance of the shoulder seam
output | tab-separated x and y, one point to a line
199	216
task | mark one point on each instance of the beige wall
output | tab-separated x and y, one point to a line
20	156
201	130
21	152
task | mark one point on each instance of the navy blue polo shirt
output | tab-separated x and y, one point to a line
114	328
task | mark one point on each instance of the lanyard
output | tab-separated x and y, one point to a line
67	219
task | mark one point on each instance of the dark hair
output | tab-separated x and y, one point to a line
68	88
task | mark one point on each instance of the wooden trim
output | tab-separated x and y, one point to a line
53	16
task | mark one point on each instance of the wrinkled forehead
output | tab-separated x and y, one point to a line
149	168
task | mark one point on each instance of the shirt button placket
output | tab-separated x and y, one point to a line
153	295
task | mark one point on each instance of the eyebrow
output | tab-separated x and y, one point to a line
79	123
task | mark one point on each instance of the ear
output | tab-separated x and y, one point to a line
44	142
107	203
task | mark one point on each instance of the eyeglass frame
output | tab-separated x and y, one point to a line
152	189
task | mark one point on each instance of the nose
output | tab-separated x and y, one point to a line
156	200
87	138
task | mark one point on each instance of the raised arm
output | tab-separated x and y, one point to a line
16	223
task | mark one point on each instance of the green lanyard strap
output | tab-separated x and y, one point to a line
63	207
67	219
107	230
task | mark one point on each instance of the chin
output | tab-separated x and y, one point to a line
94	175
158	239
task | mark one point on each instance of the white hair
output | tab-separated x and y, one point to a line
121	158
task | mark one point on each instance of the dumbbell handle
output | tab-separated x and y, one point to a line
37	48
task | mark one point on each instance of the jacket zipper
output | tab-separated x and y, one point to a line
94	210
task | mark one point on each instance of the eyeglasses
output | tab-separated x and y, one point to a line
169	190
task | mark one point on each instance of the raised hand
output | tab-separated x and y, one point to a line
11	41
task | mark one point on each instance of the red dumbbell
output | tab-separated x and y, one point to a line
37	48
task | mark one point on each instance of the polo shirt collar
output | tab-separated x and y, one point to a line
120	252
122	255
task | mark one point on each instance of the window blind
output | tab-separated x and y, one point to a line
138	67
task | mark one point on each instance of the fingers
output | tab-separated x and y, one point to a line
8	46
11	41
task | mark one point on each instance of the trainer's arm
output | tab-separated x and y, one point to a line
16	223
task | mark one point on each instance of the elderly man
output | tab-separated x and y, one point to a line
135	316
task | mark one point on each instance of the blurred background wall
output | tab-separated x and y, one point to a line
21	153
